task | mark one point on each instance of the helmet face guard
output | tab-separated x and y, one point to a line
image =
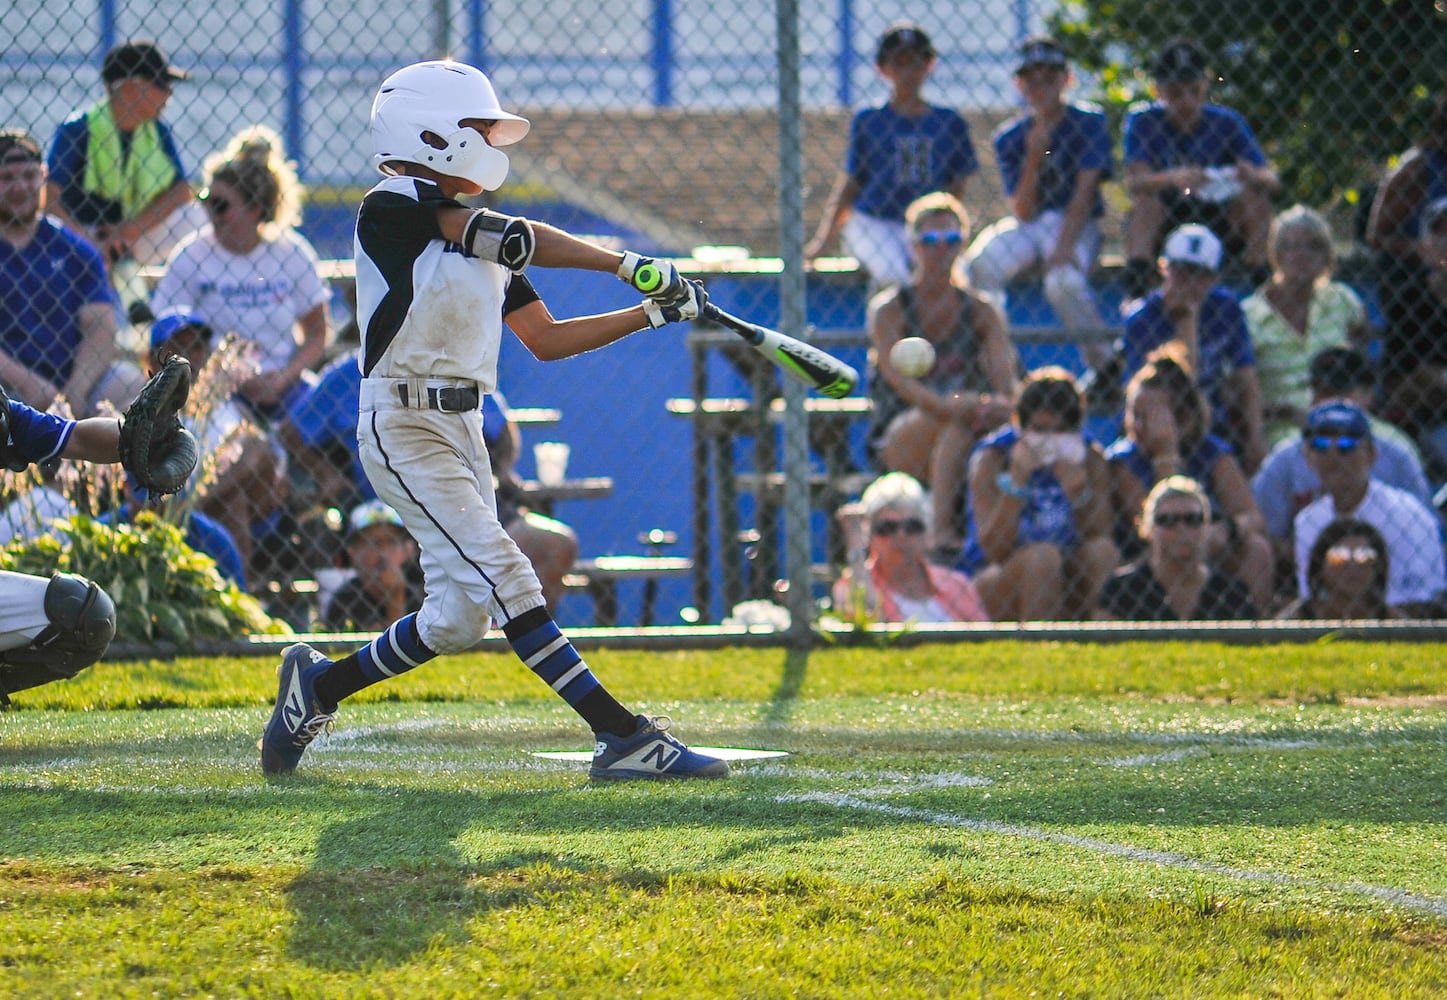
437	97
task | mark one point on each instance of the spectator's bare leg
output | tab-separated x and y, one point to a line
947	478
1251	561
1250	214
1143	224
909	444
1027	587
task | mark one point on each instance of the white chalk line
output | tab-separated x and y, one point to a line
1426	904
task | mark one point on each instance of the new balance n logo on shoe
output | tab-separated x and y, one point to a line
293	712
661	755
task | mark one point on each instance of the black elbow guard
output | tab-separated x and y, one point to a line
500	239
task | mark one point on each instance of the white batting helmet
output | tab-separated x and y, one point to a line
435	97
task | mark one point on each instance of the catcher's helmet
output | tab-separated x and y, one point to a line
435	97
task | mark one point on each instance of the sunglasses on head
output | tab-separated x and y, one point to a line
934	237
890	528
1340	555
1182	519
1325	442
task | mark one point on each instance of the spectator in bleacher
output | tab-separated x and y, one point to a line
1414	344
1189	161
1346	575
320	434
1193	310
1394	225
57	312
1166	434
897	152
1297	313
1286	482
889	577
1039	544
927	425
241	482
116	176
1341	451
388	580
1174	581
1052	162
250	272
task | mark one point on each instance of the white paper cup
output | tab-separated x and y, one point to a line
552	462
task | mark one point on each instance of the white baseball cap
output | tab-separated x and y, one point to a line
1193	244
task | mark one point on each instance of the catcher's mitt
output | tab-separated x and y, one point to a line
155	448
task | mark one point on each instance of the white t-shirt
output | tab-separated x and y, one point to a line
928	610
259	296
1414	541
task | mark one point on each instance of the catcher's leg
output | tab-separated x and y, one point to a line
79	623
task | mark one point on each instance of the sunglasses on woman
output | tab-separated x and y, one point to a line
1182	519
890	528
937	236
1340	555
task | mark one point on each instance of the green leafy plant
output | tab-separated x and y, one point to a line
162	588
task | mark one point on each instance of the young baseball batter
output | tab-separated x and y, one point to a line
434	282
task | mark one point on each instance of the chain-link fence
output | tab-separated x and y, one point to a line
1048	278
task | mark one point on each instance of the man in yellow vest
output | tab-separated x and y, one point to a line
115	173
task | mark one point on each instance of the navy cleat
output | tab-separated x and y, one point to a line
650	753
298	717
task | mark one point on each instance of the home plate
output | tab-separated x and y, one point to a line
723	753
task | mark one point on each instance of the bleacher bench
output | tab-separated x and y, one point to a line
599	576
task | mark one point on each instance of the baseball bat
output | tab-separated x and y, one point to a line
803	362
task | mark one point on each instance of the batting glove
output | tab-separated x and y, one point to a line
659	281
689	306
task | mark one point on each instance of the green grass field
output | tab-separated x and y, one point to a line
1003	820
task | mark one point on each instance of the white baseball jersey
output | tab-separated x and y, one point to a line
424	307
431	320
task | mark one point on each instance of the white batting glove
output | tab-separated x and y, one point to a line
688	306
659	281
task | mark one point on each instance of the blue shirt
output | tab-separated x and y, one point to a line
1222	340
1045	516
66	160
1081	141
34	436
1220	139
895	159
42	291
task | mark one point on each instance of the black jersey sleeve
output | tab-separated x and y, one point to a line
520	292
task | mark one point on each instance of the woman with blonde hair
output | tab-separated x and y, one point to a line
249	272
1173	581
927	424
888	576
1299	311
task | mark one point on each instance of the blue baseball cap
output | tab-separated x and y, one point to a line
173	321
1338	417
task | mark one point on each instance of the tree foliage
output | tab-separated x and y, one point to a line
1334	89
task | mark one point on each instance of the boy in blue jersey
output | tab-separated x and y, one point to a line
1192	309
897	153
1187	160
1052	162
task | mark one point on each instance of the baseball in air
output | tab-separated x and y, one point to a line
912	356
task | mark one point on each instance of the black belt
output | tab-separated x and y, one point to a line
448	398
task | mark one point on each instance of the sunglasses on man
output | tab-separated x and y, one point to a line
1343	443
